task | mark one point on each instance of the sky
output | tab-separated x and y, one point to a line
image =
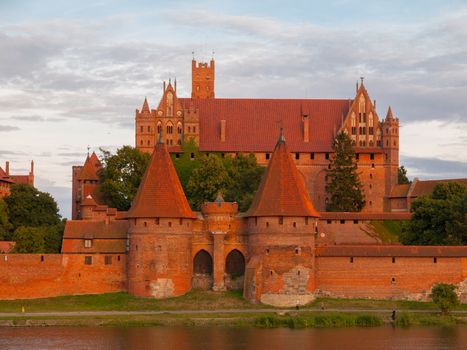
72	73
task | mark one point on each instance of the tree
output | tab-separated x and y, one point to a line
245	175
5	226
342	180
27	206
186	162
402	176
439	218
444	296
121	175
207	180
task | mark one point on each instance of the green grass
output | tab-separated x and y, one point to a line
319	320
411	319
388	230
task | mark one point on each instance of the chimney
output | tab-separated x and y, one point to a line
223	122
306	128
7	168
32	167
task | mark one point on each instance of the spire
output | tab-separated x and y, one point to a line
90	167
389	114
145	106
282	191
281	137
160	193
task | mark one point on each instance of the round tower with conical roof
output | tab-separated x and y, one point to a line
281	223
159	239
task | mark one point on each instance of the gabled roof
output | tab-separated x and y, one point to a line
160	193
96	229
399	191
145	106
91	165
89	201
282	190
251	124
427	186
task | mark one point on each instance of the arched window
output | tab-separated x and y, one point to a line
179	128
170	104
159	127
202	263
361	109
169	128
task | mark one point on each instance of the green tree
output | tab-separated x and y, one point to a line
30	239
27	206
439	218
207	180
444	296
342	180
245	175
186	162
5	226
121	175
402	175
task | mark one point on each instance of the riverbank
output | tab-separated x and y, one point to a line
207	308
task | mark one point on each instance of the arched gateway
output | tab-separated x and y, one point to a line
202	270
234	270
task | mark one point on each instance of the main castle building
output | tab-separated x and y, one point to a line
284	249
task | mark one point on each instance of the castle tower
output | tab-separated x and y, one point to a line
85	182
390	131
281	224
145	133
202	79
161	222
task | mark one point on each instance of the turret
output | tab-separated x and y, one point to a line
202	79
145	128
159	259
390	144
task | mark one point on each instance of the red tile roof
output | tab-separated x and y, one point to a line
96	229
89	201
20	179
394	250
399	191
90	168
426	187
6	246
160	193
365	216
282	190
252	124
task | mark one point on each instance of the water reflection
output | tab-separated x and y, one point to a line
214	338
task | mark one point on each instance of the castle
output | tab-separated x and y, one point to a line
285	249
7	179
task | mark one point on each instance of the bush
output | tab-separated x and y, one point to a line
444	296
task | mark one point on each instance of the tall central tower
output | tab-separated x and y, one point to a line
202	79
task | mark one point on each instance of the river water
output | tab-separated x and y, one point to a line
217	338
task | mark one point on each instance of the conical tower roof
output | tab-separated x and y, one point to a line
282	191
90	167
145	106
160	193
389	114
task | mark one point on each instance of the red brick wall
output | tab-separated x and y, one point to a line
372	277
332	232
26	276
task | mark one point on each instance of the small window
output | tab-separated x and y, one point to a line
294	224
373	165
371	176
371	186
393	280
393	260
145	224
357	156
342	221
42	258
298	273
328	221
149	129
435	260
118	258
88	243
355	221
351	259
170	224
296	251
267	156
281	220
194	129
312	156
223	155
141	128
267	251
267	224
372	156
157	221
297	156
270	272
371	203
177	155
88	260
306	220
108	260
327	156
180	221
192	156
256	221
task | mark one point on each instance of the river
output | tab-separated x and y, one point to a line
217	338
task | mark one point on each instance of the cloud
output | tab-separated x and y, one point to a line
433	168
8	128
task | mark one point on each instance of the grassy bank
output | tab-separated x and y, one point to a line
388	230
194	300
319	320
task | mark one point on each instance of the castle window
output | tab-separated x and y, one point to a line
281	220
342	221
270	272
298	273
306	220
141	142
88	243
373	165
170	224
297	156
351	259
169	128
149	129
145	224
222	155
159	127
435	260
180	221
371	203
355	221
118	258
371	143
393	280
354	130
371	186
353	121
194	129
357	156
157	221
88	260
371	130
141	128
108	260
267	224
42	258
179	128
267	251
328	221
267	156
189	129
393	260
371	176
149	142
192	156
296	251
177	155
327	156
256	221
312	156
294	224
372	156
